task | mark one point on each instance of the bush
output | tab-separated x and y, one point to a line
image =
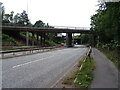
50	43
7	41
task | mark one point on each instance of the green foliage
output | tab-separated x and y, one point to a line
113	55
85	76
23	33
49	36
6	40
85	38
39	23
21	19
50	43
7	18
17	20
69	80
77	36
106	22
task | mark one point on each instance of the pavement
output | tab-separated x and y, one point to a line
40	70
105	73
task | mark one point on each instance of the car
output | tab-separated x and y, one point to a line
62	44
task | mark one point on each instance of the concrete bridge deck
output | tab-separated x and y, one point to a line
55	29
42	31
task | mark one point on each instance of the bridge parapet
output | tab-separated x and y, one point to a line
70	27
53	27
57	29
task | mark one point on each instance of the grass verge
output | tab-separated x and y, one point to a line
84	77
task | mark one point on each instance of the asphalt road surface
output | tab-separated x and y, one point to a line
40	70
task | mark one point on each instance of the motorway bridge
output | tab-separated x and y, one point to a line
42	31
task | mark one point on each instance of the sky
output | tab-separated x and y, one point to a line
74	13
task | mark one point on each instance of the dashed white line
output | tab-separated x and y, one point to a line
31	62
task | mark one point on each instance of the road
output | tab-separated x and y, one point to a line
40	70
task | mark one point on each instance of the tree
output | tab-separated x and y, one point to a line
106	22
2	9
23	19
11	16
39	23
16	18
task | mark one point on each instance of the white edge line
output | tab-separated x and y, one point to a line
65	73
75	80
81	67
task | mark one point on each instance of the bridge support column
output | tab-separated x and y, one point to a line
33	38
44	39
37	36
41	38
69	39
27	38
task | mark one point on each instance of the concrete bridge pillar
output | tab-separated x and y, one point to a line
37	36
27	38
44	36
41	38
33	38
69	39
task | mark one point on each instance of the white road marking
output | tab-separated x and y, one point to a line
31	62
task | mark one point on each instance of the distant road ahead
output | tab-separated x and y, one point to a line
40	70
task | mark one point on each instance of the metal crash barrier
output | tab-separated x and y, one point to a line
31	50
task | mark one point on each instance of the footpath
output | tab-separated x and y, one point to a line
105	73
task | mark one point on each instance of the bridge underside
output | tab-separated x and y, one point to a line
41	32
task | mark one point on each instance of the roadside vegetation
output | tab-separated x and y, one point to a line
51	43
6	40
9	41
83	77
105	23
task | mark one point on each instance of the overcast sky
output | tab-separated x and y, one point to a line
75	13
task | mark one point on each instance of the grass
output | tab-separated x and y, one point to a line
69	80
50	43
84	77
